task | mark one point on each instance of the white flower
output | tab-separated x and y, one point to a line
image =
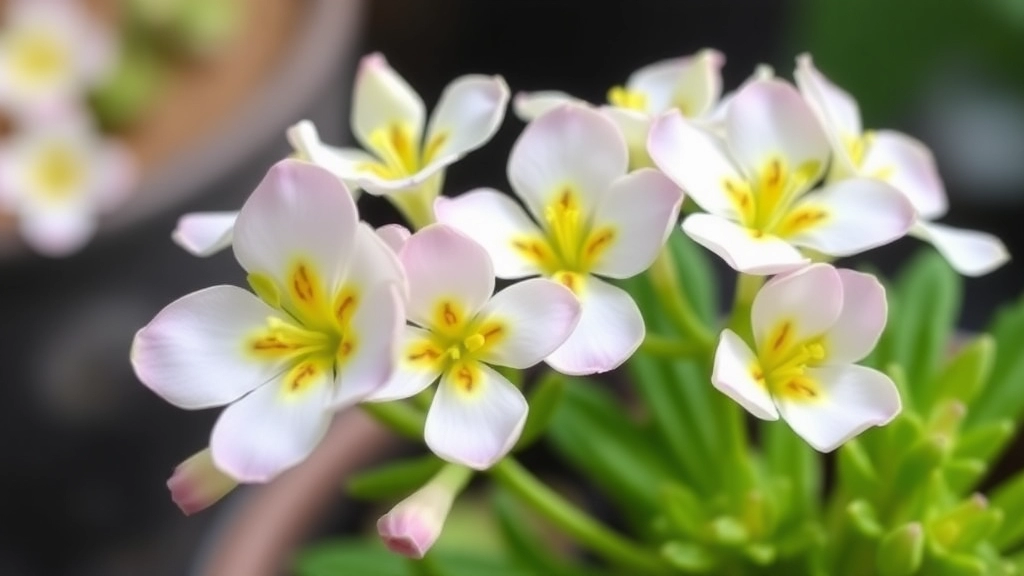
459	329
319	334
755	184
52	52
58	178
900	160
809	328
569	168
690	84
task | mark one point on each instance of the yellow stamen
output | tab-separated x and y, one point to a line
623	97
474	342
58	173
38	56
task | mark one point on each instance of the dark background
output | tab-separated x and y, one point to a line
87	449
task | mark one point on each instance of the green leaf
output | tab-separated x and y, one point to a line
864	518
789	456
921	321
689	557
684	509
1009	497
130	89
358	557
963	473
1002	397
984	441
857	473
697	277
543	400
394	480
593	432
527	548
901	551
966	375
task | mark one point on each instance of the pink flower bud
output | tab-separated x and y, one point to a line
414	524
197	484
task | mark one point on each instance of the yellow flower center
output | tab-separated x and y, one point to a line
766	204
58	172
38	56
316	338
399	155
782	363
623	97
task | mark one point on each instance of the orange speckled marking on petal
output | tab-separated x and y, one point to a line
303	377
467	377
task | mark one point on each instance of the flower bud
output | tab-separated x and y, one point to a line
414	524
197	483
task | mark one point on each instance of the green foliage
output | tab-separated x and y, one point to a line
394	480
339	557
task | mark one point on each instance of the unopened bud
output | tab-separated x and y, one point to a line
197	483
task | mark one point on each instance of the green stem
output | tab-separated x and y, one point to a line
398	416
417	204
669	347
586	530
747	287
670	293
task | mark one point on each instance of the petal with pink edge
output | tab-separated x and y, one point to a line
527	322
852	399
193	352
413	371
299	212
861	320
571	147
204	233
376	328
969	252
909	166
497	222
476	417
530	105
382	99
269	431
468	114
609	331
740	248
735	375
691	84
639	212
394	236
837	110
445	269
793	308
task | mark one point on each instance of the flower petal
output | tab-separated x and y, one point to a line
695	160
376	330
475	427
299	210
733	375
345	163
861	320
496	222
739	247
854	398
394	236
531	105
204	233
382	99
969	252
852	215
571	147
610	330
269	431
445	267
716	118
57	233
808	301
908	165
634	127
533	318
414	371
192	353
468	114
691	84
768	119
835	108
640	210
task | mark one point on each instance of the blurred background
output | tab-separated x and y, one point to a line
201	100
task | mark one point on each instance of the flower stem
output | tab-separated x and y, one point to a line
586	530
669	347
399	416
666	285
417	204
747	287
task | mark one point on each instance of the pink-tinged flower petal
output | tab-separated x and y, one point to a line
856	215
768	119
496	222
197	484
394	236
204	233
412	526
610	330
468	114
531	105
412	375
382	99
116	174
969	252
345	163
734	376
692	83
738	246
377	328
193	352
572	147
634	127
443	265
852	399
640	210
861	320
271	430
474	422
374	263
908	165
716	118
796	307
696	160
57	233
834	107
298	211
534	316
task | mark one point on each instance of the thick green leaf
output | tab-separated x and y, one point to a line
359	557
696	276
395	479
966	375
901	551
1002	397
528	549
689	557
789	456
543	400
1009	497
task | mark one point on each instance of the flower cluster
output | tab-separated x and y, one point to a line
340	314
